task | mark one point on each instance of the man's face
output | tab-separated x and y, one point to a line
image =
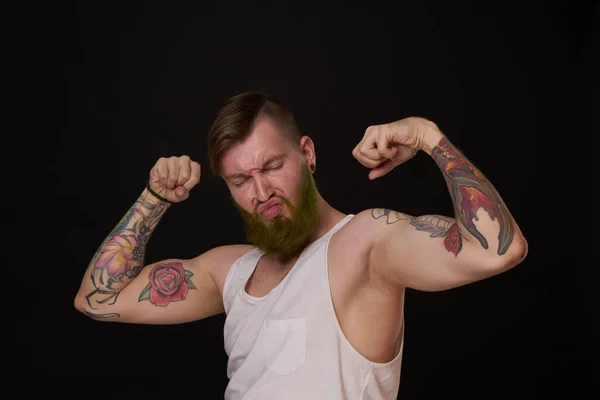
273	189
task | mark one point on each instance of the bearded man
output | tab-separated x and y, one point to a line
314	302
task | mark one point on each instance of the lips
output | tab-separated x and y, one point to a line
270	208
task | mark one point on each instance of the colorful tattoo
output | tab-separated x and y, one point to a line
440	226
168	282
121	256
470	191
437	225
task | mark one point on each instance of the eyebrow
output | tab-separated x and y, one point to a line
268	161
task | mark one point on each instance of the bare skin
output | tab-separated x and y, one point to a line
371	260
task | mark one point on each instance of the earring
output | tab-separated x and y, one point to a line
312	167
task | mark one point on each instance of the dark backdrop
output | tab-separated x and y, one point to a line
97	91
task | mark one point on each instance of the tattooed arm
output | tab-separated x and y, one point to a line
436	252
118	286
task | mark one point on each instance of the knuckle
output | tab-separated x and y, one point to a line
371	130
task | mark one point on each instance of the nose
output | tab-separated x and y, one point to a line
262	188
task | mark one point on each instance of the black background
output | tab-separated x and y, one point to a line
97	91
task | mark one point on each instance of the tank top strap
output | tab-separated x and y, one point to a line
238	273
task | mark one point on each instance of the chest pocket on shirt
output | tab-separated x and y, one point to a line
284	344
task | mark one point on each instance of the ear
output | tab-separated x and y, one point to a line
307	149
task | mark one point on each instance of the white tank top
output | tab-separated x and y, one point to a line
288	344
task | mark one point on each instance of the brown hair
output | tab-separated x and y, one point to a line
236	118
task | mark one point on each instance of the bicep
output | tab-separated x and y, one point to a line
166	292
426	253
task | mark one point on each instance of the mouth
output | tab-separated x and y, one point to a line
270	209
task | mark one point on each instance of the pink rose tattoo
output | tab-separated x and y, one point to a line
168	282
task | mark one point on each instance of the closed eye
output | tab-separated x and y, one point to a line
241	182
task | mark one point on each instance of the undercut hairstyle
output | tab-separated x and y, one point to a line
236	118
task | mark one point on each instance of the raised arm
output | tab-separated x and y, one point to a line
436	252
118	286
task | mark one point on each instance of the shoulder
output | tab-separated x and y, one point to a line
353	246
368	228
370	222
227	253
219	260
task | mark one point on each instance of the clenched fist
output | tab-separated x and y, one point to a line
386	146
174	177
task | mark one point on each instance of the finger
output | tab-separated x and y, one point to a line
382	169
162	171
366	151
184	170
194	176
383	146
368	147
368	133
181	193
370	153
355	150
173	172
367	162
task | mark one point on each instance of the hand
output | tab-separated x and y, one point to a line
385	146
174	177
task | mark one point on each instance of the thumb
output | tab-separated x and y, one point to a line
382	169
385	148
181	193
389	152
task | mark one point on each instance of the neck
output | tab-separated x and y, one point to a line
328	218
